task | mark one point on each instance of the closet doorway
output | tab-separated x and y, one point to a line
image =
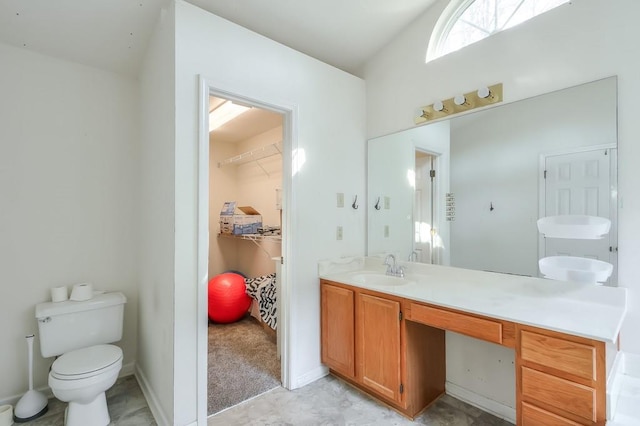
423	208
245	239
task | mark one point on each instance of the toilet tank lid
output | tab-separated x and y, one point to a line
99	301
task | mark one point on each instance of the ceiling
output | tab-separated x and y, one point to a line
248	124
113	34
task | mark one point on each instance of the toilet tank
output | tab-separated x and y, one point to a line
69	325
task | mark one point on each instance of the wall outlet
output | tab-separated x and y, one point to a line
340	199
387	203
386	231
339	233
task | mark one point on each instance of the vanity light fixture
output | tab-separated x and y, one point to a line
460	103
224	113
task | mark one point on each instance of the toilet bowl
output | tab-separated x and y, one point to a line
81	378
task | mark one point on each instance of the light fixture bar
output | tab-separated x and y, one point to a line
225	113
461	103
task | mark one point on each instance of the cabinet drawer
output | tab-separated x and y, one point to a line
574	358
534	416
559	393
480	328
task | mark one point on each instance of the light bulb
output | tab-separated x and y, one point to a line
460	100
438	106
484	92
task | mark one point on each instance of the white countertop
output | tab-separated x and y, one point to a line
594	312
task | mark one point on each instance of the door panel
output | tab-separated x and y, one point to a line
423	208
379	345
579	183
337	329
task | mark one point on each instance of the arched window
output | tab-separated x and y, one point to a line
464	22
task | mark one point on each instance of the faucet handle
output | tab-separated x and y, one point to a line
400	272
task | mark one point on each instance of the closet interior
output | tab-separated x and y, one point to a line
245	238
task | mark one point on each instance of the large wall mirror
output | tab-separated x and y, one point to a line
468	191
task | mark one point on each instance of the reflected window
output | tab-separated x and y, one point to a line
466	21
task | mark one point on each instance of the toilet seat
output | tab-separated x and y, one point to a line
86	362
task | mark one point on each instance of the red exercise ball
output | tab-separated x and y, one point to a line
228	298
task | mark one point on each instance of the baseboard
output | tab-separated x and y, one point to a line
632	364
127	370
481	402
152	399
310	377
614	383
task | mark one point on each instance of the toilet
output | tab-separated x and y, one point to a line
87	365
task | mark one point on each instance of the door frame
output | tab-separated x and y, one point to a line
433	205
440	188
289	113
613	193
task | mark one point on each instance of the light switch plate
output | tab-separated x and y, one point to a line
387	203
339	233
340	199
386	231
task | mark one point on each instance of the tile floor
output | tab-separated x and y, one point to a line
330	401
127	407
327	401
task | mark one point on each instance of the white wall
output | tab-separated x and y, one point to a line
156	218
328	120
575	43
257	188
257	185
223	252
390	159
68	154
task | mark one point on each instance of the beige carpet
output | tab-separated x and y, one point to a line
242	363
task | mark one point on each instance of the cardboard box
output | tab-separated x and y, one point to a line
239	220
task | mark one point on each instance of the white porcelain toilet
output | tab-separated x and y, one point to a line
79	333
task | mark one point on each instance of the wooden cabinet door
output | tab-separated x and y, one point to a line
338	329
378	334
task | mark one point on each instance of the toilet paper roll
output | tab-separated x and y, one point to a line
6	415
59	294
80	292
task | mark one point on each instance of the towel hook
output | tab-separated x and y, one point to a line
377	206
355	203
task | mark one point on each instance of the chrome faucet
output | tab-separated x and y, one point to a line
413	257
392	268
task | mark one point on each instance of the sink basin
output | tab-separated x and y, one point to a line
377	279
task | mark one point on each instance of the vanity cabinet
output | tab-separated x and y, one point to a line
367	342
559	377
338	329
393	348
378	353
